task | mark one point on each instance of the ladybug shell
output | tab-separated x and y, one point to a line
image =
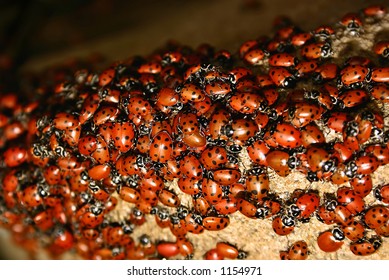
213	254
161	147
215	223
376	216
168	249
227	250
298	251
308	203
327	242
287	136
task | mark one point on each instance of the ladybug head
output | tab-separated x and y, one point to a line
338	234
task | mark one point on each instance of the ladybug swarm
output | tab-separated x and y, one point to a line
153	154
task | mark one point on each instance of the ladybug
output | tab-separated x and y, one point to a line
247	46
168	198
246	207
298	251
185	247
362	185
258	185
316	50
281	77
212	191
87	145
352	22
64	121
193	223
15	156
376	216
324	72
311	134
246	102
353	74
161	147
191	93
214	157
213	254
380	92
226	205
353	98
240	130
307	204
282	60
190	166
254	56
318	159
366	164
257	152
343	216
304	68
331	240
375	11
278	161
52	175
382	48
365	247
355	231
123	134
226	176
382	193
324	31
283	225
99	172
287	136
201	205
380	74
227	250
216	223
167	249
300	39
349	198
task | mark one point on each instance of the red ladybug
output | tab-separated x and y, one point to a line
213	254
380	74
362	185
246	102
282	60
382	193
316	50
365	247
168	198
226	205
308	203
123	135
281	77
254	56
376	216
216	223
298	250
331	240
214	157
167	249
353	74
283	225
227	250
161	147
15	156
278	161
354	231
287	136
212	191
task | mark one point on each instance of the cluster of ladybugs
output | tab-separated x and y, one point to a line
212	124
